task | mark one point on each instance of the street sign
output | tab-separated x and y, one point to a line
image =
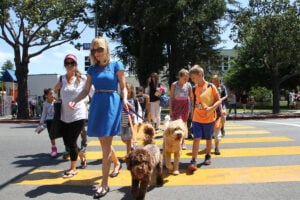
87	62
86	46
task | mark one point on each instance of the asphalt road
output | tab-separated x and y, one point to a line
260	159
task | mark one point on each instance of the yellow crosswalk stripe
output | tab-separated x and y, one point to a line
248	132
232	152
202	176
224	140
238	127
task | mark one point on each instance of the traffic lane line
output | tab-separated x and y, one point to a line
226	152
216	176
223	141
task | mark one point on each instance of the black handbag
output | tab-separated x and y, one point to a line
56	125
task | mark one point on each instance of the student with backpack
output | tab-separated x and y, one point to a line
206	101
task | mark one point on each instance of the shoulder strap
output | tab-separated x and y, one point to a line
60	80
136	106
194	94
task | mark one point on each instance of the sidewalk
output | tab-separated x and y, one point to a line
8	119
240	116
265	115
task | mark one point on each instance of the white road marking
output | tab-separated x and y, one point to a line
279	123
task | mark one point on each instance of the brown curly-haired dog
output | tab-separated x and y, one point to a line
145	132
143	163
173	136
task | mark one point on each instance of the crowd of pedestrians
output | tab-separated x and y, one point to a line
201	102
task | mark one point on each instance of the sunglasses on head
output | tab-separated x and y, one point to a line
98	50
70	63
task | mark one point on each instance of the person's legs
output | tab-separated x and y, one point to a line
223	119
52	140
157	113
107	155
195	148
230	107
117	164
107	151
152	113
234	107
197	130
217	136
128	145
208	131
74	129
83	139
70	136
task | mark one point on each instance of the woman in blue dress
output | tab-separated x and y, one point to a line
106	105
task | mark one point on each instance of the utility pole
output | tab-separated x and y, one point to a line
96	18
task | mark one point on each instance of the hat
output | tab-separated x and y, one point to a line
71	56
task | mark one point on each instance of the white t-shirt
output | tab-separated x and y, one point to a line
69	92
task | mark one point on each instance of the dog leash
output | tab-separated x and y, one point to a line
139	116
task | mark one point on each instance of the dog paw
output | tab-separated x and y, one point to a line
176	172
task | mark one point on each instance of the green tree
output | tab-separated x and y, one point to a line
37	26
268	34
155	33
7	65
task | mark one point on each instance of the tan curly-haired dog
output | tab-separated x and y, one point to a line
173	136
144	163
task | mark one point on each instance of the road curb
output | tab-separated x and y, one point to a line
18	121
269	116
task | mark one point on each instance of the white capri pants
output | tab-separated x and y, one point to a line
155	112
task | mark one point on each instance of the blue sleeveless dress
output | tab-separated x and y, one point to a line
106	106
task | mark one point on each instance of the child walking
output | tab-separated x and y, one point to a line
47	117
252	103
129	119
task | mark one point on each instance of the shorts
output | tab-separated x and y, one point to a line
126	133
203	131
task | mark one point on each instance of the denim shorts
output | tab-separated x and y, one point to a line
203	131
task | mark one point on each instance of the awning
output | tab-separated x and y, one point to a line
8	76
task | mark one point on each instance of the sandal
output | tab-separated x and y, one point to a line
115	173
102	192
83	160
69	174
83	164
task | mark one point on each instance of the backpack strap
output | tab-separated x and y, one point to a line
194	94
136	106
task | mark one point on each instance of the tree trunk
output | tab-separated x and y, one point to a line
276	95
22	76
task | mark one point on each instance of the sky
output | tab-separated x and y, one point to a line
51	61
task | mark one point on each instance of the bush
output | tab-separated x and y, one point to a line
261	94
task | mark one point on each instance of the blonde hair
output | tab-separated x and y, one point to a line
131	93
183	72
100	42
196	69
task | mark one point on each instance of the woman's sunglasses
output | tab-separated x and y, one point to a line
98	50
70	63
